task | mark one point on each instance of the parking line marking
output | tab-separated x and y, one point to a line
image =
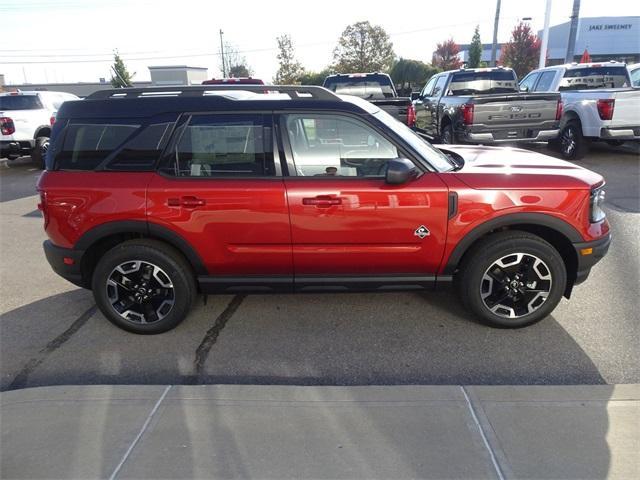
482	434
145	425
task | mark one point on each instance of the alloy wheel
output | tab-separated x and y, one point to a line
568	141
140	292
516	285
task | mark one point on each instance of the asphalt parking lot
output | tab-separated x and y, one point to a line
52	334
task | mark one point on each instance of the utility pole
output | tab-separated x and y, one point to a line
224	70
545	36
571	47
495	35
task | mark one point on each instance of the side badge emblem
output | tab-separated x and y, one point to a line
422	232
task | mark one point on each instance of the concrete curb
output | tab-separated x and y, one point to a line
331	432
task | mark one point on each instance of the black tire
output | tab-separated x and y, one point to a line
477	290
180	289
447	134
39	152
573	146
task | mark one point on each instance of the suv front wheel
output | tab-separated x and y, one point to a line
512	279
144	286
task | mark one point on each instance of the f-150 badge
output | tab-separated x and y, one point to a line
422	232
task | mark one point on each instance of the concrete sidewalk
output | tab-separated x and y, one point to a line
233	431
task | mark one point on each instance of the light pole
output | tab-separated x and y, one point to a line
573	31
495	35
545	36
224	70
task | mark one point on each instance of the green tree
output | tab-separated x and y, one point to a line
522	51
290	70
475	50
315	78
363	47
235	63
408	74
446	56
237	71
120	78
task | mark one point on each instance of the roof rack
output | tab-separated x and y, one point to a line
295	92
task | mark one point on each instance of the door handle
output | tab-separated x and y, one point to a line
188	201
322	201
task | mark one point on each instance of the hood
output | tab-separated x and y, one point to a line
515	168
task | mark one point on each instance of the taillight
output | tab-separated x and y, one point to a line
411	116
605	108
52	120
467	113
559	108
7	126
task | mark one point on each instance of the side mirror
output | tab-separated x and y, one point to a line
399	170
415	96
524	88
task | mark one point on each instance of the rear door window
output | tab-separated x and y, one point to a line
142	151
545	82
87	145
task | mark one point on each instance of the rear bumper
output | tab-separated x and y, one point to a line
15	148
598	249
622	133
65	262
490	137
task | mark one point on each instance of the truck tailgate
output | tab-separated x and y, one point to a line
396	107
626	112
514	111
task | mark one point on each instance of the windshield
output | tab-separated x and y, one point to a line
435	157
483	82
369	87
588	78
20	102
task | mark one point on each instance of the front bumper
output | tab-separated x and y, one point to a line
590	253
65	262
516	136
623	133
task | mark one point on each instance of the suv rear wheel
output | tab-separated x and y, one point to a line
512	279
144	286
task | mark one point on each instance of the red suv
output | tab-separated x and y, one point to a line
152	196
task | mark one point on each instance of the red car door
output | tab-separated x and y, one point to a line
221	191
345	219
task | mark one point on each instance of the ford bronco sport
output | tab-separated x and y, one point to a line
152	196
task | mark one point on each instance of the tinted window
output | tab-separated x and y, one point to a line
594	77
87	145
483	82
367	87
337	146
223	145
545	82
528	82
439	86
426	92
20	102
142	151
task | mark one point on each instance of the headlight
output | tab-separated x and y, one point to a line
596	213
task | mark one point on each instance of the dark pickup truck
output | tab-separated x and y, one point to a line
378	89
484	105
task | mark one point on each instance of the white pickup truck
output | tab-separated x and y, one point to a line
25	122
598	103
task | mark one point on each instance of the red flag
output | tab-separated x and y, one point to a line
585	57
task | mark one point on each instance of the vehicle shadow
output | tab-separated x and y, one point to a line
12	175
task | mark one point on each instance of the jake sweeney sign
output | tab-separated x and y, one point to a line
612	26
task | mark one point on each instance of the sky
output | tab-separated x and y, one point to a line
73	40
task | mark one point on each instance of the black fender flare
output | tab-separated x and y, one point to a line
39	129
509	220
152	230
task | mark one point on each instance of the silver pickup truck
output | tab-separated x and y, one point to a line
599	104
483	105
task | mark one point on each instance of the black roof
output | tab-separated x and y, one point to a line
145	102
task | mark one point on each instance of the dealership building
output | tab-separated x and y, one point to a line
605	38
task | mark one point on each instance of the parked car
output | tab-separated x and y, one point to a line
599	104
634	73
26	118
234	81
484	106
377	88
155	196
